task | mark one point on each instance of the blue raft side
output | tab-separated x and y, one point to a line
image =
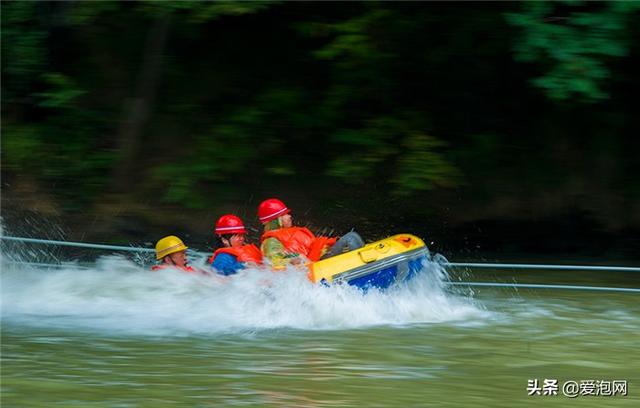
381	279
386	277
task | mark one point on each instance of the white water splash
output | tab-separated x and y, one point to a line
117	296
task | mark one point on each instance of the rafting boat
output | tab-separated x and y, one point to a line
379	264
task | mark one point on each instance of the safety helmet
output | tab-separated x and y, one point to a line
271	209
230	224
169	245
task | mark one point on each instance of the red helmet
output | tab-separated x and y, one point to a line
270	209
230	224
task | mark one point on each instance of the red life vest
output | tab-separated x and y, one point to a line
245	253
187	269
300	240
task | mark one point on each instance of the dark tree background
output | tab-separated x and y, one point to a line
484	127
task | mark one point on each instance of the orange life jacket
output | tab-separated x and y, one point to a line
164	266
245	253
300	240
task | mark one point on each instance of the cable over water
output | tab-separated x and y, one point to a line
447	264
75	244
545	286
544	266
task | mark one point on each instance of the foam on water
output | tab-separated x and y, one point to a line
117	296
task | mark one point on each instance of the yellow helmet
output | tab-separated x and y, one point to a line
169	245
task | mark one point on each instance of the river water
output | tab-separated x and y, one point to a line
116	335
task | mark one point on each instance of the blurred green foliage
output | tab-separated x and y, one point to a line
406	98
572	43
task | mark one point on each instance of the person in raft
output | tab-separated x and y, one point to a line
235	252
172	253
282	243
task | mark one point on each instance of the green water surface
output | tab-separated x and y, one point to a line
530	334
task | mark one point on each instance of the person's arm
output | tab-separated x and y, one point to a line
226	264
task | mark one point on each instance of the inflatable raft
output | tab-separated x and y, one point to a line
379	264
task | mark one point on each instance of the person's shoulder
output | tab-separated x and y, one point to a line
224	257
305	231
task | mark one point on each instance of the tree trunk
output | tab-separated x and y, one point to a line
140	106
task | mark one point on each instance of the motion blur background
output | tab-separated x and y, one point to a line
490	129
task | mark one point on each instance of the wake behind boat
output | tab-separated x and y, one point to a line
380	264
